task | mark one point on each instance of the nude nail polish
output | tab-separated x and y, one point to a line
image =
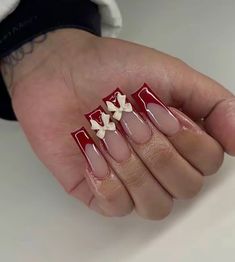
123	111
106	130
156	111
97	163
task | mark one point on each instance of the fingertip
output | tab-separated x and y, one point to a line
221	124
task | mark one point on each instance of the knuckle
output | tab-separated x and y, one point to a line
134	179
133	173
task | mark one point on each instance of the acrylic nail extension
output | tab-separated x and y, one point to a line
106	130
132	123
157	112
95	159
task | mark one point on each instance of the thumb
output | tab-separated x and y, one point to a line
201	97
220	123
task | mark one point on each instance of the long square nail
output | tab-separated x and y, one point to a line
159	114
94	157
133	124
106	130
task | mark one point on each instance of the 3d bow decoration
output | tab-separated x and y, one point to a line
124	107
107	125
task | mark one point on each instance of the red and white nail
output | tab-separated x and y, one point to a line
159	114
132	123
106	130
94	157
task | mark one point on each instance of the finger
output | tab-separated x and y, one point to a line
110	195
220	123
172	171
53	144
159	156
189	140
200	97
150	199
195	145
162	159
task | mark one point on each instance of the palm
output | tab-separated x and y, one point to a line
68	83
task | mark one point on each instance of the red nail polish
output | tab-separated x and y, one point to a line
106	130
96	115
98	165
130	120
113	97
82	139
144	96
156	110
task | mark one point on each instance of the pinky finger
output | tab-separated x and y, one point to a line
110	196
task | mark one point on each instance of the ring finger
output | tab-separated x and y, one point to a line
195	145
150	199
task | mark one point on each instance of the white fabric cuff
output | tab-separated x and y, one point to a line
111	17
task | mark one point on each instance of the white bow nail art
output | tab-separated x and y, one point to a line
124	107
107	125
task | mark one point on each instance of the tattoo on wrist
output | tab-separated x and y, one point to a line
9	62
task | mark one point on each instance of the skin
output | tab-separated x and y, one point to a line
58	77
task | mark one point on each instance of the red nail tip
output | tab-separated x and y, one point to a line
113	97
96	115
144	96
82	138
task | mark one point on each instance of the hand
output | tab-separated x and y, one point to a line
59	77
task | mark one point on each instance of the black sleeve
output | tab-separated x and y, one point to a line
33	18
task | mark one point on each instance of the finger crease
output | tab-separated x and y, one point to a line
77	185
215	105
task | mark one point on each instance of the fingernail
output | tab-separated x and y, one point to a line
106	130
132	123
156	111
97	163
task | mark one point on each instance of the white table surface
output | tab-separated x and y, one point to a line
40	223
